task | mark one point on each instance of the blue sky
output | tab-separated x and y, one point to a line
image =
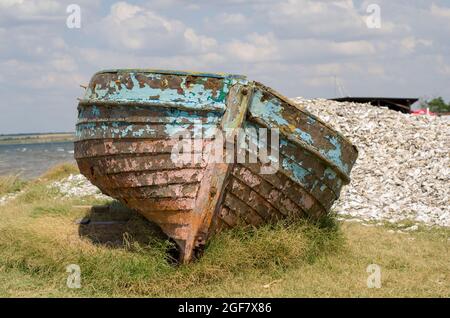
298	47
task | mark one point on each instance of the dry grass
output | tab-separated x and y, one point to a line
10	184
40	238
60	171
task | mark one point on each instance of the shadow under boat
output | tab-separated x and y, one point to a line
116	226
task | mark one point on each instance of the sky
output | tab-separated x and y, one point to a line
303	48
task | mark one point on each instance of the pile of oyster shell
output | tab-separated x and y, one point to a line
403	169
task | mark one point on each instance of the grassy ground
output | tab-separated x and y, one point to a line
10	184
39	238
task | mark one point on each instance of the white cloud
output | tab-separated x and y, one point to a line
64	63
410	43
319	18
318	81
443	65
136	28
438	11
353	48
199	42
30	7
133	27
30	10
232	19
256	49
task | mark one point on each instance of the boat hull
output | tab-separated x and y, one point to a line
130	122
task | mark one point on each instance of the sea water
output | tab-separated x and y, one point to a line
31	160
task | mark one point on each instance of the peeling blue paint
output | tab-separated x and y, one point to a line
268	110
335	154
330	174
297	172
304	136
194	95
311	120
95	111
127	130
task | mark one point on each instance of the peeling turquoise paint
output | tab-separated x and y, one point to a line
268	110
194	95
138	133
297	172
330	174
304	136
310	120
126	130
95	111
162	115
335	154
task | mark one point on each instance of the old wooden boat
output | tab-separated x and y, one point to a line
129	124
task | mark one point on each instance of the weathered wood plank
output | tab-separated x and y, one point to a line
174	191
112	147
133	163
149	178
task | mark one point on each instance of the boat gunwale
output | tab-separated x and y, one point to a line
173	72
304	111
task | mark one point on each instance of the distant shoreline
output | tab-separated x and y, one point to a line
36	138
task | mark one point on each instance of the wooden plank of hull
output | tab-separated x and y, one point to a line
242	210
227	216
115	129
149	178
135	163
111	147
160	204
185	190
144	114
275	198
290	189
